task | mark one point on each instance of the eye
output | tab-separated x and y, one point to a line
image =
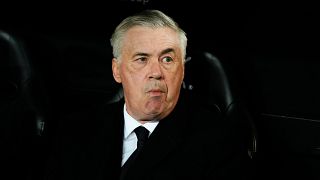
141	60
167	59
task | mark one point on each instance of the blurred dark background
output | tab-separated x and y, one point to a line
268	48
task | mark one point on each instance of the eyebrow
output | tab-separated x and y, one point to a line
168	50
140	54
165	51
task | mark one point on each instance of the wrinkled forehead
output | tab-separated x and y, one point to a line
144	38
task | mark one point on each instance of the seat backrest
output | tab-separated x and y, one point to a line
17	76
21	114
208	84
205	76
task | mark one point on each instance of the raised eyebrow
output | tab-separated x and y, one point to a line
168	50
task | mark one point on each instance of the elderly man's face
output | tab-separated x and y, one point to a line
151	70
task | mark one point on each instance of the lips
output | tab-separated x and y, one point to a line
155	92
155	87
159	89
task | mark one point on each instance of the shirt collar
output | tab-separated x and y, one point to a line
130	124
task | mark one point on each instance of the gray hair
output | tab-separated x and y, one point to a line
147	18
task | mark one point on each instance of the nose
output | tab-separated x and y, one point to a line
155	70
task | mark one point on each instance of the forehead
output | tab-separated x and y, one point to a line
148	38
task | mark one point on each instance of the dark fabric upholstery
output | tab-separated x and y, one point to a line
22	114
208	84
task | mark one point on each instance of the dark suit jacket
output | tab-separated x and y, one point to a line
193	142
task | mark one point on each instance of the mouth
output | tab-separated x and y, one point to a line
155	92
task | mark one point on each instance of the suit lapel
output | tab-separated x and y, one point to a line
167	136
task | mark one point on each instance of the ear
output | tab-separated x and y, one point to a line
116	70
184	67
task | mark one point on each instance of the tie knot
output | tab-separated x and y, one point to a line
142	134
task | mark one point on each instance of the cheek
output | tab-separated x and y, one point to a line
179	75
132	78
175	84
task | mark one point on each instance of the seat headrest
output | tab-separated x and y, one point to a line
15	69
207	81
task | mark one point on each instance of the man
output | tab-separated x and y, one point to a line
182	141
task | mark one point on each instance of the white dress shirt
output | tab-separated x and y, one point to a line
130	138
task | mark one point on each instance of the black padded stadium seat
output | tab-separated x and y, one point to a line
85	75
208	85
22	115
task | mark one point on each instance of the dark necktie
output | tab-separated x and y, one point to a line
142	134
